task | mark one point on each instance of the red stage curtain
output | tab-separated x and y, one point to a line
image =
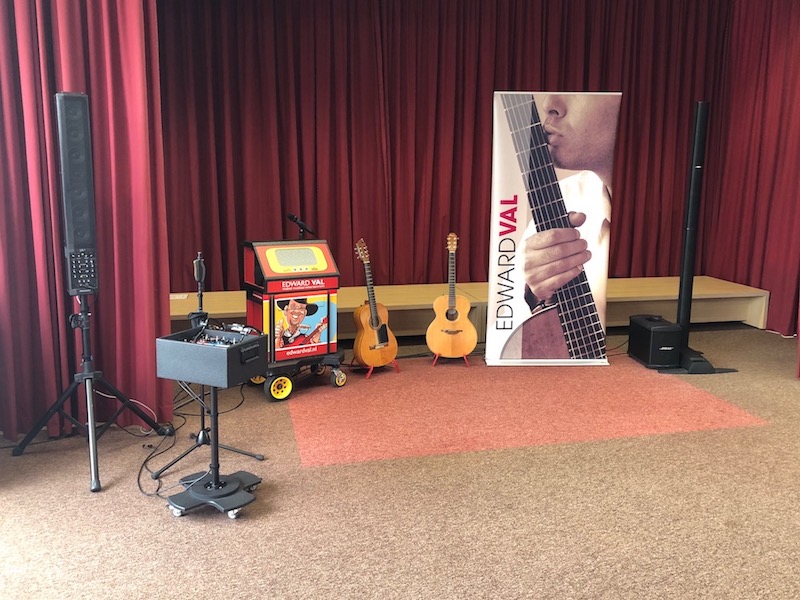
34	346
372	119
753	214
107	52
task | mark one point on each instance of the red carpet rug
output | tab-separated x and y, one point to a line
425	410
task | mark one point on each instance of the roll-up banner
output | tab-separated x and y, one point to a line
552	162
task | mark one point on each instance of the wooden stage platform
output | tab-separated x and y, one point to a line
410	306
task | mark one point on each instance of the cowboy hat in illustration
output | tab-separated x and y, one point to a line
311	308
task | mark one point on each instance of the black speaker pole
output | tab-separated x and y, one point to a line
692	361
691	218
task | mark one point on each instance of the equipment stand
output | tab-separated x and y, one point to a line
436	359
203	438
199	318
227	493
88	376
372	368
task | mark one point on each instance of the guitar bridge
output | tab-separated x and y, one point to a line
452	331
377	346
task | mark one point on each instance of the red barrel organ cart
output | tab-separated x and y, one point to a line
291	289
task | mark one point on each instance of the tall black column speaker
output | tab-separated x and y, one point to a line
692	361
692	215
77	191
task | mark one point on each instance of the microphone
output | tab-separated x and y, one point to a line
199	268
300	224
199	318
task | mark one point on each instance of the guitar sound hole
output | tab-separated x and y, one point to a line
452	314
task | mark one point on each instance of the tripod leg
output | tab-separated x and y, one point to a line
92	429
157	474
20	448
135	409
245	452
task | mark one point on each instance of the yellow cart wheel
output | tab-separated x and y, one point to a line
338	377
278	388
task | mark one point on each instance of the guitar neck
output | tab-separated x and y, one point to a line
451	280
374	319
580	322
541	183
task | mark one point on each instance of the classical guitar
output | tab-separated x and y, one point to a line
569	327
451	334
375	344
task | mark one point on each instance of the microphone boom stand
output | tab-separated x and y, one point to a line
303	227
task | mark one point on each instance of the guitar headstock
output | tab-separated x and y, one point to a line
361	251
452	242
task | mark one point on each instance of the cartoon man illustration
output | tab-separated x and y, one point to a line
292	331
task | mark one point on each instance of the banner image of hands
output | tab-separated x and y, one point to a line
552	162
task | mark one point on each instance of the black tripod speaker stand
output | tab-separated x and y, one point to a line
90	378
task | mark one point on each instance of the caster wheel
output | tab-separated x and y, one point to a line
232	514
278	388
318	369
176	512
257	380
252	488
338	378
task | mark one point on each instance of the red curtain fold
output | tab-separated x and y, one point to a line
753	213
35	347
108	52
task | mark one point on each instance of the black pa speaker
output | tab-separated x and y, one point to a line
654	341
77	175
77	191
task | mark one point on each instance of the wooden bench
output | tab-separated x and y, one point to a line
410	306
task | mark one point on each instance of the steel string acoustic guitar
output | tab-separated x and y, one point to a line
451	334
375	344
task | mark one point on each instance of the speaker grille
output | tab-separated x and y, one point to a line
77	176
